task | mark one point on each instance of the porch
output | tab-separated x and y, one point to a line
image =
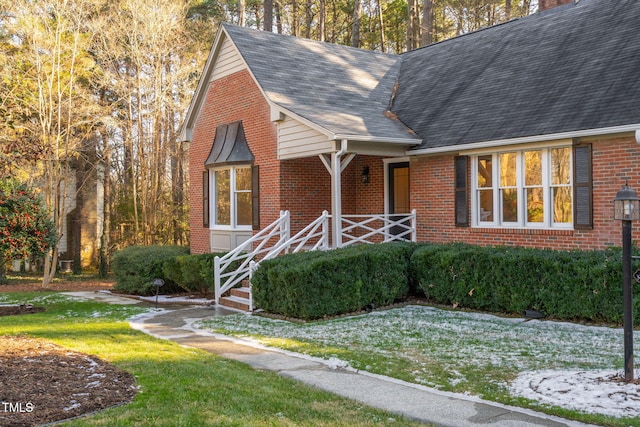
233	271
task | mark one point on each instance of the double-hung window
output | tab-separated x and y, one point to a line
232	201
523	188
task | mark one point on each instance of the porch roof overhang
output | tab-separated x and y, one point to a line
331	141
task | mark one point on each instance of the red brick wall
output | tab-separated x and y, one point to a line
303	186
369	197
305	190
232	98
549	4
614	160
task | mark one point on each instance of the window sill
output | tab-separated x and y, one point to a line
230	228
540	231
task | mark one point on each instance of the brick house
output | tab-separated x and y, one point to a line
518	134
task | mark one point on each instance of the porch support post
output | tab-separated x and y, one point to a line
336	194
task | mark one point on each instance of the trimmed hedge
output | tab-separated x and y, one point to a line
311	285
193	273
570	285
135	268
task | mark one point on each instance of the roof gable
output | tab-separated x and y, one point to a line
563	70
343	90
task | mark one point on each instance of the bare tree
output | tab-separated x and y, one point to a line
52	37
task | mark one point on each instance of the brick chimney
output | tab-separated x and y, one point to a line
549	4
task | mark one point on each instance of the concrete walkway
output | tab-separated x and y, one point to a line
410	400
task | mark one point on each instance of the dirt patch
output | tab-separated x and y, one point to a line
41	382
11	310
58	285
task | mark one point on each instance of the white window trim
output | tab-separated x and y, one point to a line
233	199
548	222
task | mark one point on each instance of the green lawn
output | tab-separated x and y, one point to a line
456	351
181	386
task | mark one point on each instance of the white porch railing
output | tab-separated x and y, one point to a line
377	228
315	236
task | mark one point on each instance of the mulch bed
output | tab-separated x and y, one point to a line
41	382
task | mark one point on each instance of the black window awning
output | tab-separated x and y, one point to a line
229	146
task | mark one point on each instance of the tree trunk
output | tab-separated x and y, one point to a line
427	23
241	12
103	251
3	270
383	41
321	20
268	16
278	13
355	32
413	25
296	18
308	18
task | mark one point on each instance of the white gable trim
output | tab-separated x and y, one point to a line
228	61
201	90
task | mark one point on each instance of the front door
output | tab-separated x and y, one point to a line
398	202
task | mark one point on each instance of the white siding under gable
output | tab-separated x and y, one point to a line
228	61
297	140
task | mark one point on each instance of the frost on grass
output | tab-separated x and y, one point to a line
595	392
454	350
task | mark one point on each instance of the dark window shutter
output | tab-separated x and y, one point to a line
462	191
255	197
205	198
582	188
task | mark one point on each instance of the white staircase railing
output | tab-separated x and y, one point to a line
245	253
315	236
377	228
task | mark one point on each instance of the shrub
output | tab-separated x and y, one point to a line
184	270
315	284
136	267
570	285
193	273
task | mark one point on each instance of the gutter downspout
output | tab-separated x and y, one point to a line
336	195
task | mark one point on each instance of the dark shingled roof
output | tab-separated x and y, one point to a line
342	89
574	67
571	68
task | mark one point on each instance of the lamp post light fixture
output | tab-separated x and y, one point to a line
626	207
157	283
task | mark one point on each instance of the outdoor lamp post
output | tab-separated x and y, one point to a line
626	207
157	283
